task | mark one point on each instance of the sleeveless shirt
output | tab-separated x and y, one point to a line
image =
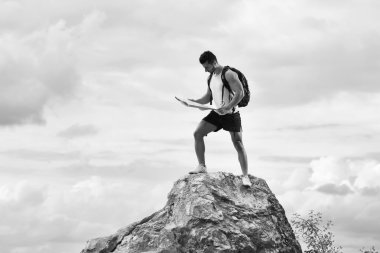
216	87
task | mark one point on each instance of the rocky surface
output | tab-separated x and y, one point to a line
208	213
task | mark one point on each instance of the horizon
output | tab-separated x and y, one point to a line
92	137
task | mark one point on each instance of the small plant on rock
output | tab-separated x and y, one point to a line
370	250
316	235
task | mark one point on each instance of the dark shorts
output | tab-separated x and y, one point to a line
229	122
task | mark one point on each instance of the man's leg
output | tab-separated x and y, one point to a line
202	130
237	139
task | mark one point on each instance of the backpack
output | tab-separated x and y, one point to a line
247	94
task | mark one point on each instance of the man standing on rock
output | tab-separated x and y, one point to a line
227	117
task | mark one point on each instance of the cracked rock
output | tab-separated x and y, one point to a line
208	213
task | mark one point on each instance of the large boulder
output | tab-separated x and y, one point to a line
210	212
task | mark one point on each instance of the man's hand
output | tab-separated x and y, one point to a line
182	101
223	110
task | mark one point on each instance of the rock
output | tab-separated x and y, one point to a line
208	213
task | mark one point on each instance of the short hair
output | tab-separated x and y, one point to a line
208	57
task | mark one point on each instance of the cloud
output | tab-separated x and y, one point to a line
22	194
299	180
289	159
293	43
141	170
335	189
27	212
307	51
40	67
333	184
36	155
329	170
373	155
31	77
47	215
77	131
370	191
311	127
344	175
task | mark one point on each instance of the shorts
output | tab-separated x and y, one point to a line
228	122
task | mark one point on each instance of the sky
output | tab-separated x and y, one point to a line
92	138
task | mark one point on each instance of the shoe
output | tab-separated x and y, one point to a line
246	181
200	169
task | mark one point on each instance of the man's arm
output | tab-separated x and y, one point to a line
236	86
205	99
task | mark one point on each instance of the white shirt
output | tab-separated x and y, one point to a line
216	90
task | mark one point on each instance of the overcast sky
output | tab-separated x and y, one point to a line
92	139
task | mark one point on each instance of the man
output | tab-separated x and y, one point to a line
226	117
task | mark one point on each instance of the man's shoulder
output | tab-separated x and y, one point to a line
229	73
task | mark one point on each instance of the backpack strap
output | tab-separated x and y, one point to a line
208	83
224	80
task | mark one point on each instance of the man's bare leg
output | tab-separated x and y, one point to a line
237	139
202	130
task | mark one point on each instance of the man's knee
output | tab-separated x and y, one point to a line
198	134
238	145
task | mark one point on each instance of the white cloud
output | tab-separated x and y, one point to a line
76	131
334	184
342	189
299	179
31	77
369	175
39	67
46	215
29	154
301	51
345	174
329	170
22	194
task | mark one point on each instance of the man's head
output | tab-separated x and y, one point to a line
208	61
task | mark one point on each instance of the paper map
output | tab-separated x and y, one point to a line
190	103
